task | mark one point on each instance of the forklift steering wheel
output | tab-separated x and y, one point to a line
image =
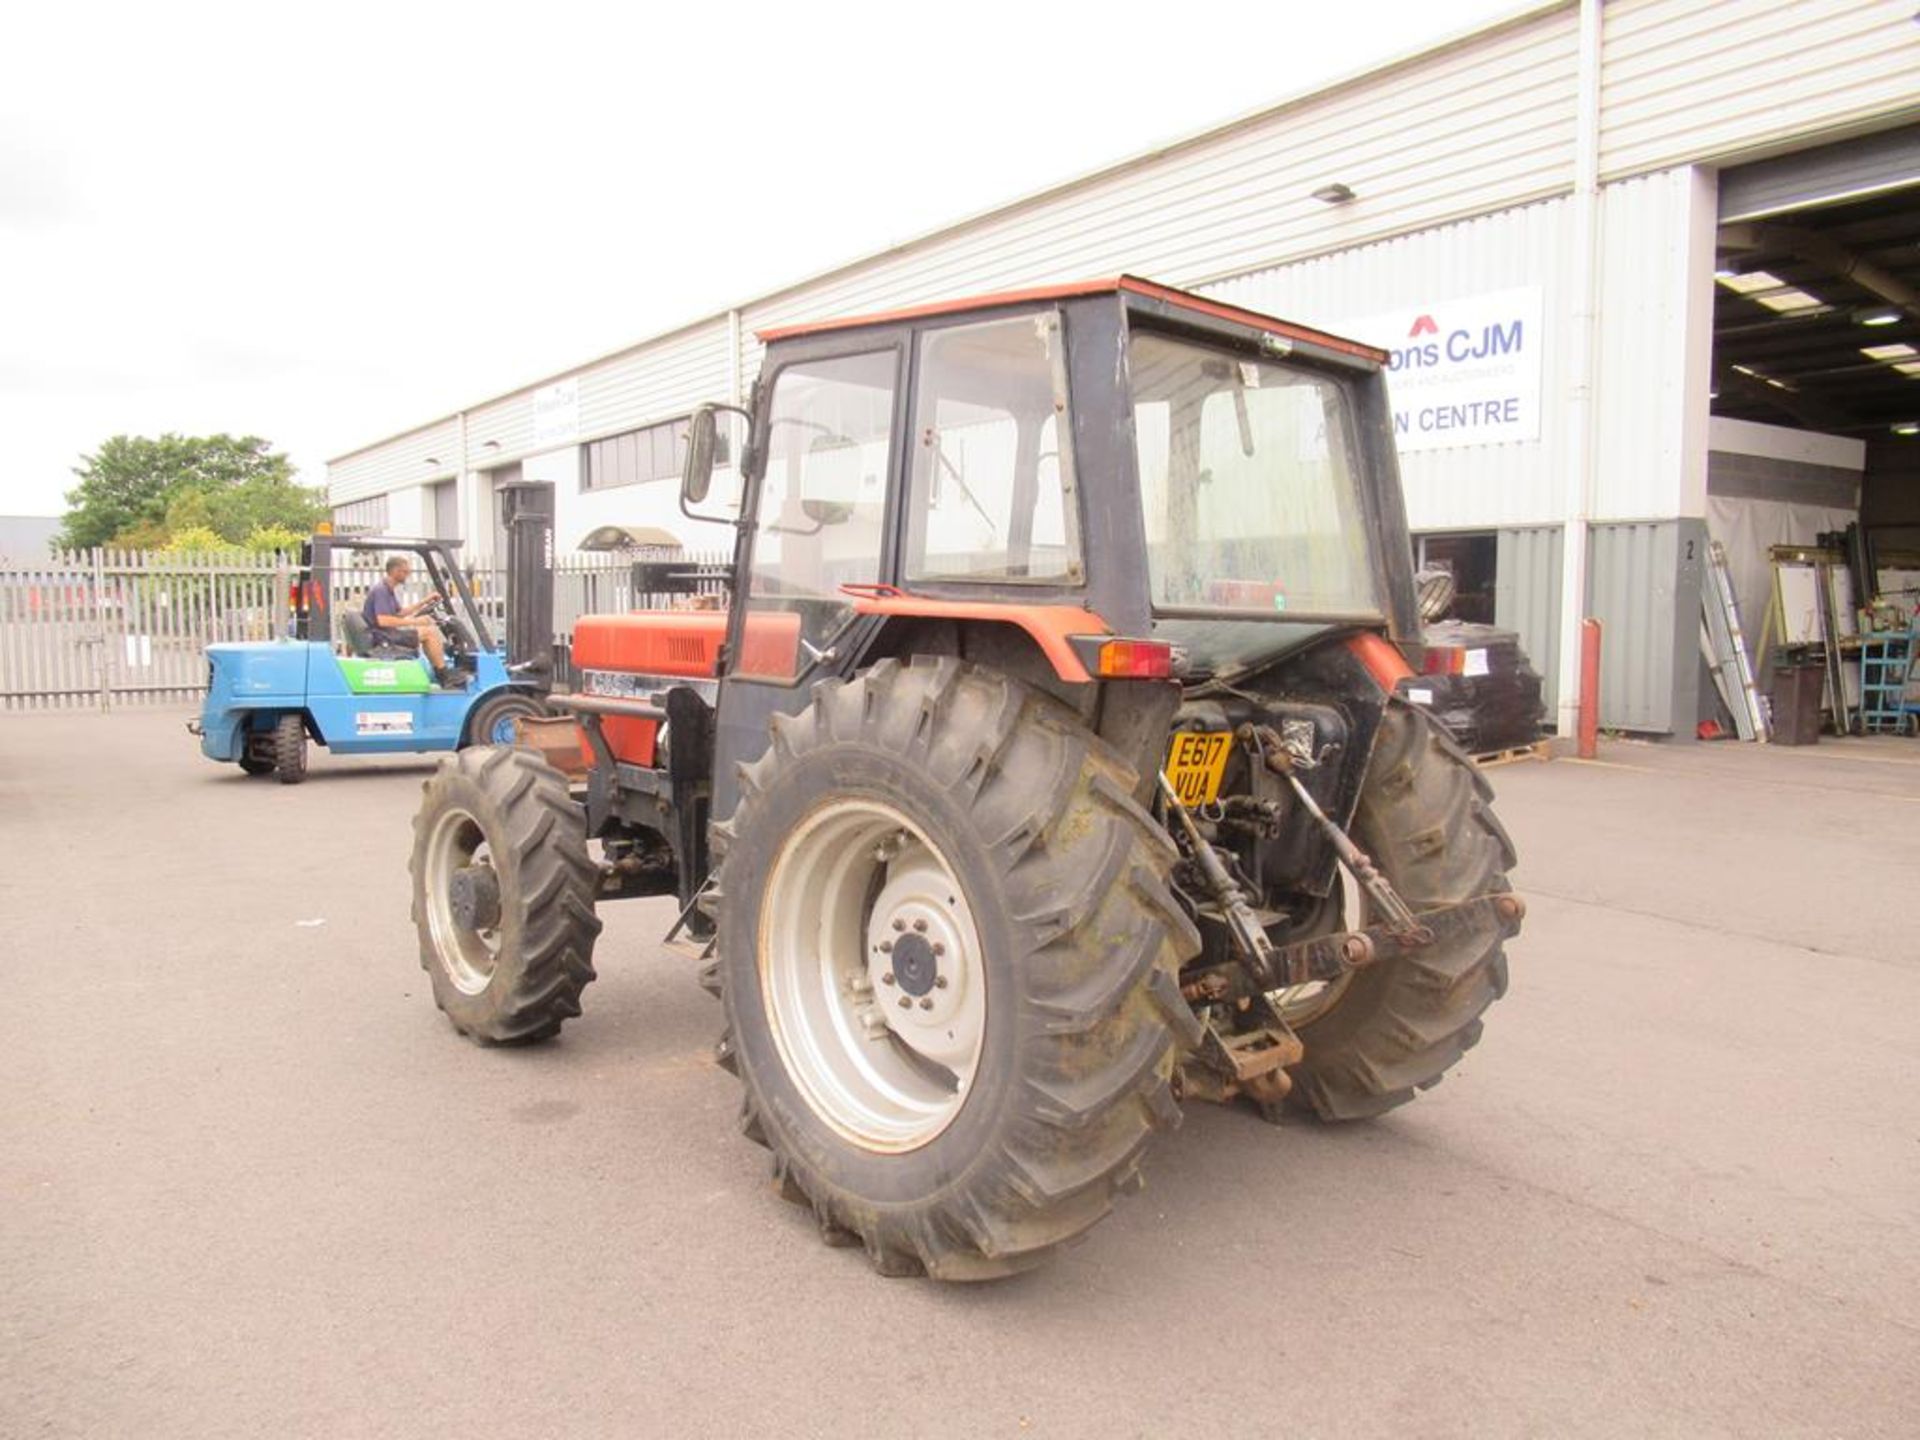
442	614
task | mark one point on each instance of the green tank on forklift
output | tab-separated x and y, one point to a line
1044	774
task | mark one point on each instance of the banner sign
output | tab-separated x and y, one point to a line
556	413
1463	372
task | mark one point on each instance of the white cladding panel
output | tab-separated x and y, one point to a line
1482	124
397	463
657	382
1686	80
1654	333
1519	483
409	511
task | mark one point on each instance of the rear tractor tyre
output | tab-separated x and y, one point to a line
503	892
949	956
491	722
289	749
1425	816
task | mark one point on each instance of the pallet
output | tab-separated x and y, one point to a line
1539	750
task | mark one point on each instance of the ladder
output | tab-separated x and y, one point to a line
1727	646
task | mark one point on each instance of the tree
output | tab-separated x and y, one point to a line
282	538
196	540
137	491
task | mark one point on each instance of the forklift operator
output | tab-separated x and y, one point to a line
403	625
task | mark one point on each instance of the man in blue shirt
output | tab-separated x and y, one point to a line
403	626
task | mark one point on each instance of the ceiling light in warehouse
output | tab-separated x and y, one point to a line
1790	302
1753	280
1890	352
1753	374
1881	315
1906	429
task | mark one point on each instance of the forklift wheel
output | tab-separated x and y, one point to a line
290	749
492	720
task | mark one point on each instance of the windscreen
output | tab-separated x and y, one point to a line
1249	476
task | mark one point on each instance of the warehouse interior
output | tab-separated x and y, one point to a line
1815	408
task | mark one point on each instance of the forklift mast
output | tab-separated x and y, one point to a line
526	512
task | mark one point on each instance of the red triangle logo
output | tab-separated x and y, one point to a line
1423	326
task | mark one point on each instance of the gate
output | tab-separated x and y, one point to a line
108	629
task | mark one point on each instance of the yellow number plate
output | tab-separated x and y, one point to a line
1195	762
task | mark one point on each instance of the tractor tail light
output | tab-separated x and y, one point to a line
1443	660
1107	658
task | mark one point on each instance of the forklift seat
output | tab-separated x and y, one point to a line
361	641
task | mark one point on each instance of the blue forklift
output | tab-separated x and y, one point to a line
334	680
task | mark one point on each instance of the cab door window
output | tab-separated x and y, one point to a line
821	510
992	458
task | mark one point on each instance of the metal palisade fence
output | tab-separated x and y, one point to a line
109	629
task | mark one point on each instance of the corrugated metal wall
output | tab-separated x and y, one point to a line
1526	597
1643	586
1686	80
396	463
654	381
1480	485
1655	347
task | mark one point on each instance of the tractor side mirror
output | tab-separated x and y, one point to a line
706	448
827	512
703	438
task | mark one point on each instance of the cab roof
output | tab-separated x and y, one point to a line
1125	285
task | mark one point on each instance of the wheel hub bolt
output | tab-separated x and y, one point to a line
939	981
938	948
906	1002
887	979
926	1002
886	947
898	923
920	926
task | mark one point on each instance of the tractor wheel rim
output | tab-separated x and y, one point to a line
1300	1005
503	729
873	976
466	955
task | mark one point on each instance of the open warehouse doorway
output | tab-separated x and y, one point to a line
1814	436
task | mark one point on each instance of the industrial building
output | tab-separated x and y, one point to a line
1649	270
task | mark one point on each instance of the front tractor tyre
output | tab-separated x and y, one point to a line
503	892
1387	1032
949	953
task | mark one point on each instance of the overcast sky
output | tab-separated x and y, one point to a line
321	224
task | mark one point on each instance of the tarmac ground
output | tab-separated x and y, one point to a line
252	1184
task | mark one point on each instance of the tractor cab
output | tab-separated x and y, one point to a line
1042	473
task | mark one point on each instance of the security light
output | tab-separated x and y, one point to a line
1334	194
1908	429
1878	315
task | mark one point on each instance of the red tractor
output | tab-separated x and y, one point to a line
1048	769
